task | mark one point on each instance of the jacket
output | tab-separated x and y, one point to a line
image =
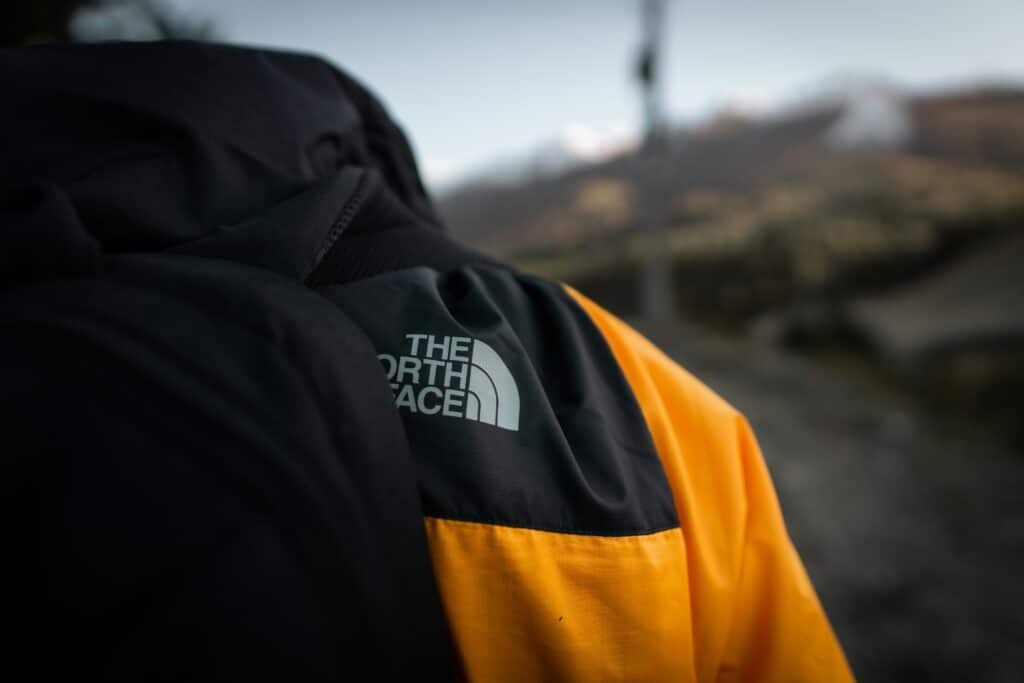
275	423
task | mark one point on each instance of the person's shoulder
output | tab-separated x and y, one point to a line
649	367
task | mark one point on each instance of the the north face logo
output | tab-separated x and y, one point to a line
453	376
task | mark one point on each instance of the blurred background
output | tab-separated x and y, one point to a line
816	207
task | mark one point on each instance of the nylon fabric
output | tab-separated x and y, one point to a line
755	615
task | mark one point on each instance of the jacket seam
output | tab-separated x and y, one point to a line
345	216
555	530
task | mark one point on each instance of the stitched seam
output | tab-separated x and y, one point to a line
345	217
608	533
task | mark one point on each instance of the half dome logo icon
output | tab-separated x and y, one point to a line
455	377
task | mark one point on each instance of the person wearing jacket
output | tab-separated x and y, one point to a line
267	420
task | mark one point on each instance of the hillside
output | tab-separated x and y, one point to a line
965	155
794	228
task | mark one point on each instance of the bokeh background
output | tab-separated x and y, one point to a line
817	207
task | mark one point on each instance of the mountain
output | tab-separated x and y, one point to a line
576	145
932	158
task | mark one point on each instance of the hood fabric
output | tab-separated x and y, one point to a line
204	149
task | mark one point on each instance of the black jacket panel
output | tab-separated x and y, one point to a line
205	472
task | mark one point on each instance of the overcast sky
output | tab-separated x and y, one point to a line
477	80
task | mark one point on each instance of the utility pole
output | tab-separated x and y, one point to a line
657	288
648	67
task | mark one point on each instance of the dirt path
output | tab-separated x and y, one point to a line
979	296
912	529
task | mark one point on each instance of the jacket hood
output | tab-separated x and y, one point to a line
140	147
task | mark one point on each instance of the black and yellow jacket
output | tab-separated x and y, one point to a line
264	419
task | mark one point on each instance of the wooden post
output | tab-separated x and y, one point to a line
657	288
